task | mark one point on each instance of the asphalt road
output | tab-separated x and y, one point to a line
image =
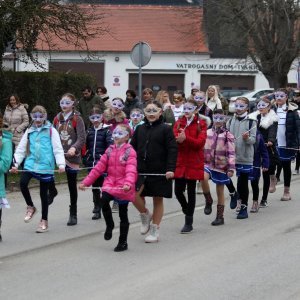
256	258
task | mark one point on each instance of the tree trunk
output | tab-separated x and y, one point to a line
277	80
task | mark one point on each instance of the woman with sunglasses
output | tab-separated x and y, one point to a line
243	128
219	154
288	136
71	129
115	116
40	146
190	134
156	149
98	139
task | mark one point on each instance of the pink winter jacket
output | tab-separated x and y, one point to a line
219	150
120	171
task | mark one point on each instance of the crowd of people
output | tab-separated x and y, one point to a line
137	148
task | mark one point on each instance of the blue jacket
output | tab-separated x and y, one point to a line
5	159
97	141
261	156
40	155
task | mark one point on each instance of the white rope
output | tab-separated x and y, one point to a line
150	174
296	149
99	188
246	132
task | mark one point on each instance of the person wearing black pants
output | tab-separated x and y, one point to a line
188	207
44	185
40	146
243	127
71	129
124	223
288	136
190	133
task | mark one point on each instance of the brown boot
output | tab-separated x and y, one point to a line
286	194
219	219
273	182
208	203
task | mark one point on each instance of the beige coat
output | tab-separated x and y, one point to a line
17	120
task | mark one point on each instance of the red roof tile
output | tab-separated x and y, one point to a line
165	28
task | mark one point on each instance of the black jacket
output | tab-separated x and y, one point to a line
129	105
292	125
97	141
268	127
156	147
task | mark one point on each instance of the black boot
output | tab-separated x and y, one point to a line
73	216
97	213
208	203
110	225
122	245
219	219
188	226
52	193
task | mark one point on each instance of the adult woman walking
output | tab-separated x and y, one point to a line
16	118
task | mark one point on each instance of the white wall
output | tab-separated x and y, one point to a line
188	64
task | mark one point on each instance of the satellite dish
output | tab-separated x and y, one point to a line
141	54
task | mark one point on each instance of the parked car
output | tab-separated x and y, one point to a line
252	96
232	93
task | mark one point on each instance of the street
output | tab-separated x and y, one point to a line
256	258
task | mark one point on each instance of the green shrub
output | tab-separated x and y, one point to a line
43	88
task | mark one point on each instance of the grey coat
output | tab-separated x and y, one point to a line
244	149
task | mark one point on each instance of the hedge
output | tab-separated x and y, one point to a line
42	88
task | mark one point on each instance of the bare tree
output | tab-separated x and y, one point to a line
24	23
268	31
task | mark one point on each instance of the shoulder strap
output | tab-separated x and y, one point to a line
126	154
74	121
250	123
55	121
109	150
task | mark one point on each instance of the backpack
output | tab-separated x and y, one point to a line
74	125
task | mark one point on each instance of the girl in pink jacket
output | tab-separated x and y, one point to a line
219	155
120	164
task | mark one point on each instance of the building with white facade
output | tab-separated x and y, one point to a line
180	55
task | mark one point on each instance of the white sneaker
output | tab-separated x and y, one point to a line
153	236
30	212
145	219
43	226
296	172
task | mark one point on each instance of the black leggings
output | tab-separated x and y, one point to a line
230	187
287	172
180	185
242	188
72	185
297	167
123	208
44	186
266	186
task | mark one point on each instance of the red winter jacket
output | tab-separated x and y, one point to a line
190	158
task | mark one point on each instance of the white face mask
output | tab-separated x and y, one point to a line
119	133
116	103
